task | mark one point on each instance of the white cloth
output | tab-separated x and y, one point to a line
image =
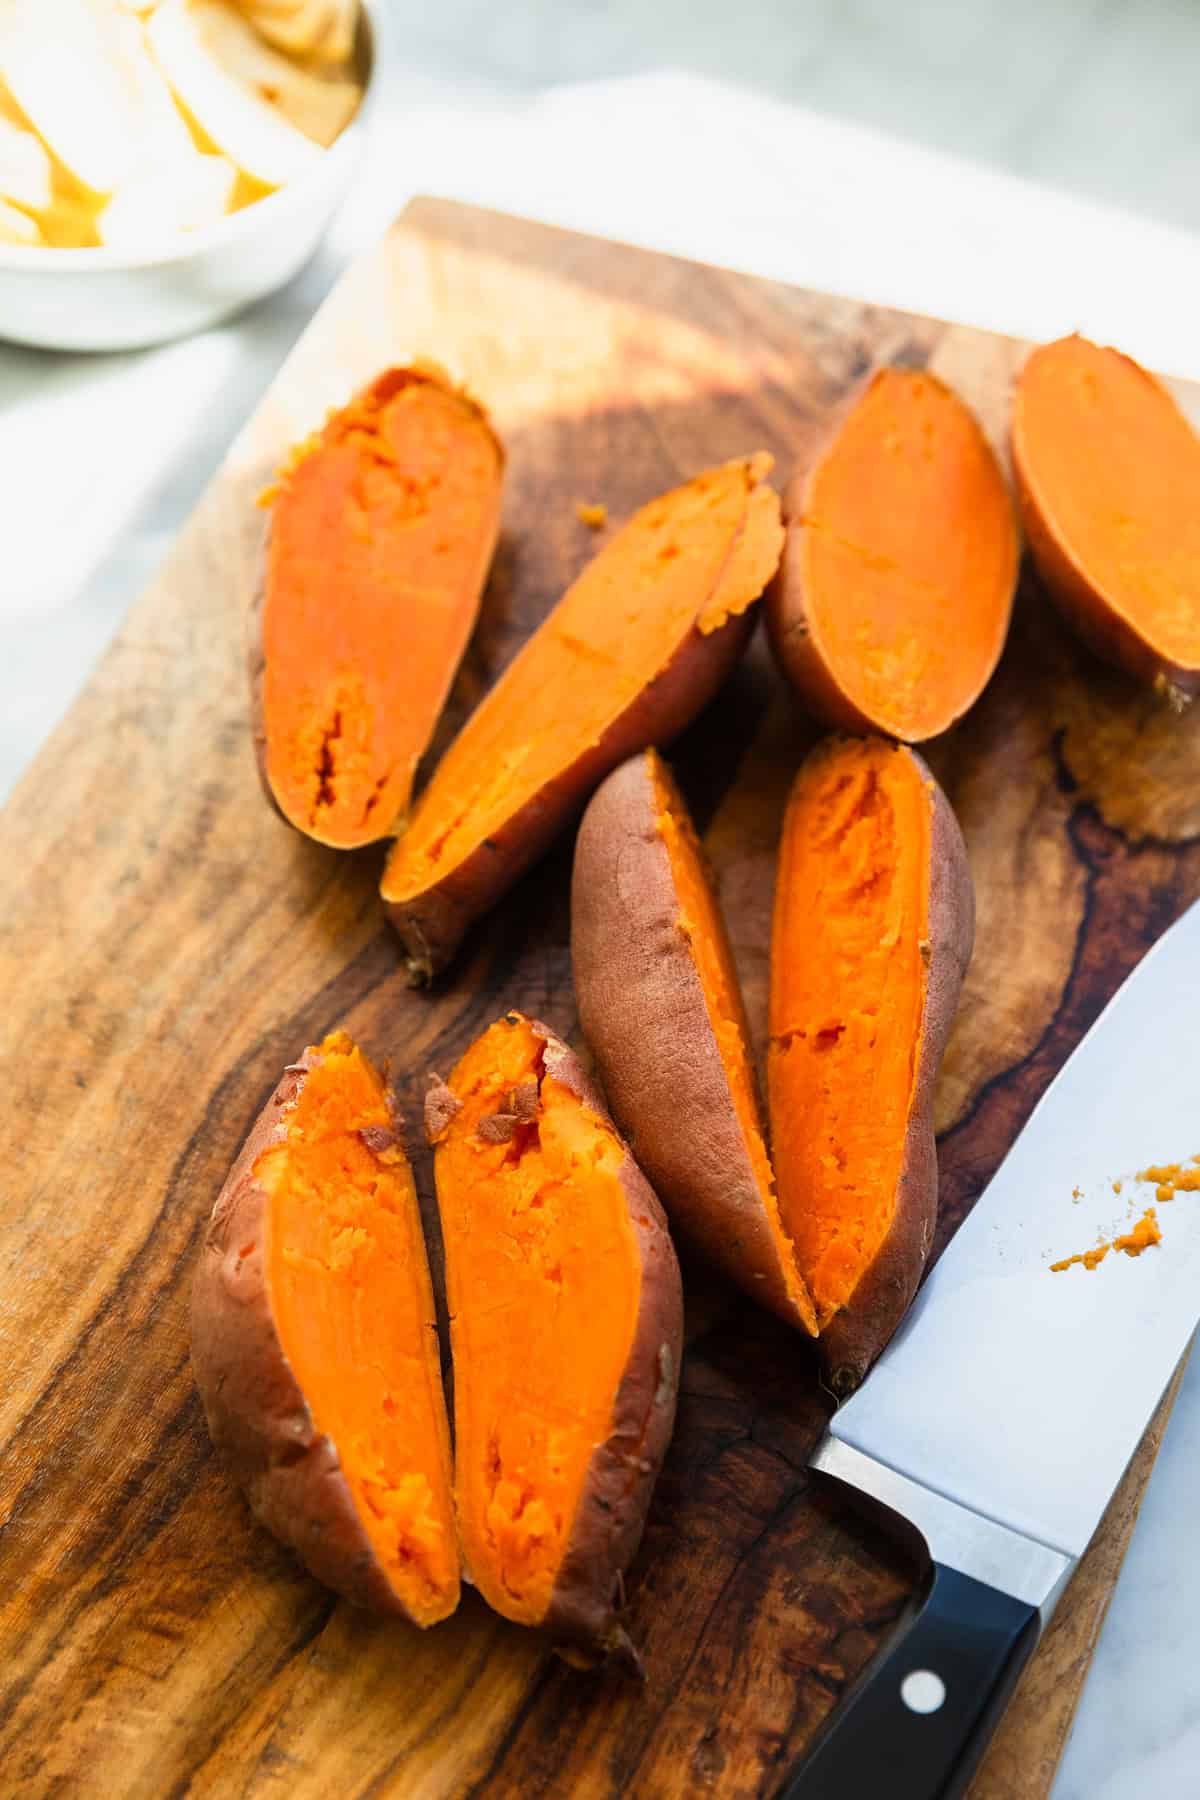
102	458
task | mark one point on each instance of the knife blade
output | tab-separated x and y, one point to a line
1003	1414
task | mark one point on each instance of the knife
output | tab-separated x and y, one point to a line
1001	1417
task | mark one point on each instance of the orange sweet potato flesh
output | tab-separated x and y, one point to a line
662	1011
639	642
1108	471
893	598
315	1344
566	1316
874	921
380	536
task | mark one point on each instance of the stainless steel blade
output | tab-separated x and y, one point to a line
1021	1393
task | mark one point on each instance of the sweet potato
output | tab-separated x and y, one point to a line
873	929
315	1347
893	598
379	537
873	925
662	1012
634	649
566	1324
1108	473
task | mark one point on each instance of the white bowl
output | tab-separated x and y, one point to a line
120	300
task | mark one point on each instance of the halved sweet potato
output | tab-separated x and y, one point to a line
873	929
1108	471
662	1012
377	549
893	598
637	645
314	1341
566	1324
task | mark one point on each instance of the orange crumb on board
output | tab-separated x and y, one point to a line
1077	1193
1132	1243
593	514
1171	1179
1144	1233
1089	1258
1117	1186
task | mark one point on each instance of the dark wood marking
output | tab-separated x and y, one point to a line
167	946
485	1784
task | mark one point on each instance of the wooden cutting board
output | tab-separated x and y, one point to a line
166	945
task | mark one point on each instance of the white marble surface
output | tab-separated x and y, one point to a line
103	458
1094	96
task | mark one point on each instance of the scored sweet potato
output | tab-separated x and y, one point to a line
315	1346
566	1325
873	929
1108	472
661	1008
380	533
893	598
637	645
873	926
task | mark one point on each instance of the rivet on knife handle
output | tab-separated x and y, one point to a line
916	1723
919	1717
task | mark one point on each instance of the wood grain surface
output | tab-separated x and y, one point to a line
167	944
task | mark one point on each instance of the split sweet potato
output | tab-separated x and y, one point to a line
566	1325
1108	472
893	598
874	919
661	1009
873	929
379	538
315	1346
637	645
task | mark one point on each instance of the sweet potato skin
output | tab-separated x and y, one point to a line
433	923
643	1013
620	1480
857	1334
257	1416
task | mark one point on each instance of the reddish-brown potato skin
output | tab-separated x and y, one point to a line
433	923
1084	606
857	1334
583	1615
257	1416
643	1013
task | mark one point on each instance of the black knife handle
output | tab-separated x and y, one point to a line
967	1643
